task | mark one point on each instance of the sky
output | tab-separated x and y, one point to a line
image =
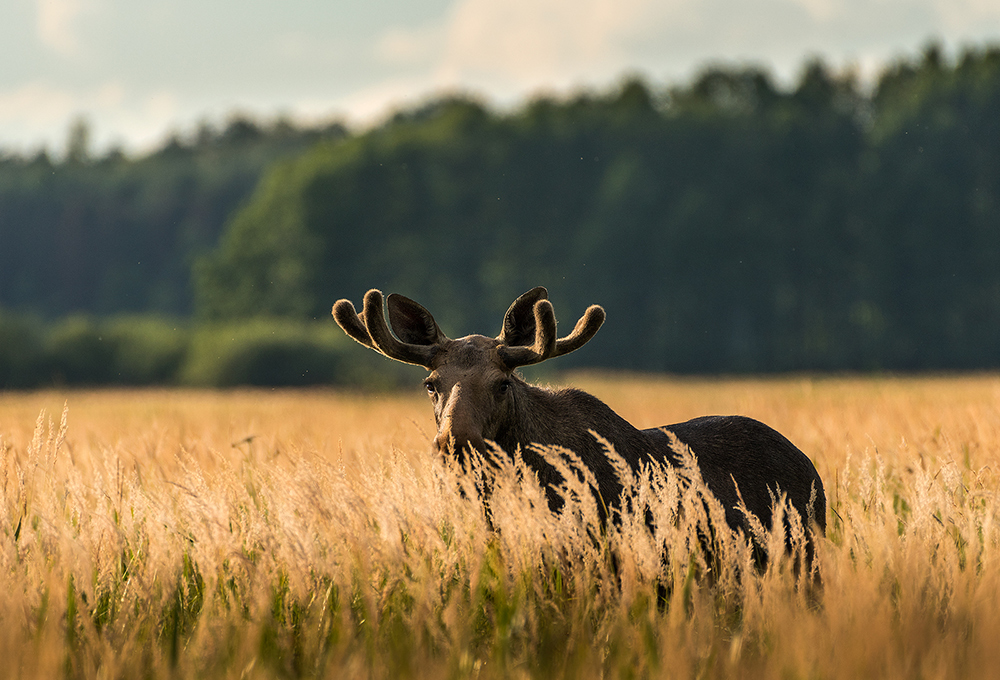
140	70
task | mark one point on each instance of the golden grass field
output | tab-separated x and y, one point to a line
273	534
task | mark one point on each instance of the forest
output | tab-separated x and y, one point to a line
727	225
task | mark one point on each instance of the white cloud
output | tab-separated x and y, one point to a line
57	24
961	16
42	112
822	10
515	46
521	43
538	40
371	103
35	102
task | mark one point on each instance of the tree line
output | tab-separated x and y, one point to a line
111	234
727	225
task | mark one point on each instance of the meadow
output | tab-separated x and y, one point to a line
285	534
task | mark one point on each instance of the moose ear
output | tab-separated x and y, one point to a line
519	321
412	323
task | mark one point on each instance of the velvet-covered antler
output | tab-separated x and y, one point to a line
371	329
530	319
545	339
585	329
528	335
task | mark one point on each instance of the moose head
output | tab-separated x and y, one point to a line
473	382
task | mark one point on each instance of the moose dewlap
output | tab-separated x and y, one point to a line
479	398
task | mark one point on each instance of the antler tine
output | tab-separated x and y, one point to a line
347	318
585	329
545	339
383	339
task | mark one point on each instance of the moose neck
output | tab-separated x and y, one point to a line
566	418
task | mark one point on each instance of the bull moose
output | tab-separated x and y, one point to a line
479	397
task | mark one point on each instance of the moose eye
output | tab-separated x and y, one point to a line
503	387
431	387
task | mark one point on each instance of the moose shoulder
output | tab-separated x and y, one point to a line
478	397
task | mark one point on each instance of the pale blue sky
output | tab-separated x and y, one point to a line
139	69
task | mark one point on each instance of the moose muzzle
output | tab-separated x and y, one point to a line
459	428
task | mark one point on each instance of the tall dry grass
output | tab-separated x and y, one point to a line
311	534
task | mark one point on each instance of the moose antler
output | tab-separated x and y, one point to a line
519	328
371	329
545	339
528	335
586	328
347	318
